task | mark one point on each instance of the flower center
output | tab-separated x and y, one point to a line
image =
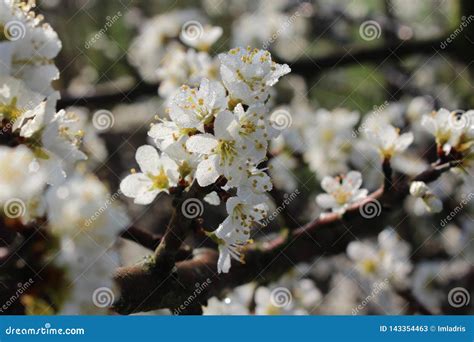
328	135
160	181
184	169
369	266
10	110
227	151
247	127
341	197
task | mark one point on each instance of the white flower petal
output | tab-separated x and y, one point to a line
148	159
330	184
225	125
137	186
326	201
353	180
223	263
212	198
404	141
206	172
201	143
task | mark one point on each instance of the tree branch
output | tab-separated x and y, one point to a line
307	67
150	288
142	237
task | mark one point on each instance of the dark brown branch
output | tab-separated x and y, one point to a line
142	237
387	172
376	55
308	67
151	241
104	99
149	288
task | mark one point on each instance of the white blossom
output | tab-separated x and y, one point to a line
31	48
249	73
194	108
388	141
341	192
389	259
234	232
18	179
451	129
432	203
87	221
148	49
159	173
328	140
179	67
223	153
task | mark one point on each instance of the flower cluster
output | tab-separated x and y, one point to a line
218	130
39	153
173	49
27	100
454	131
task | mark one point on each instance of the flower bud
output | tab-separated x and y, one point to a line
418	189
